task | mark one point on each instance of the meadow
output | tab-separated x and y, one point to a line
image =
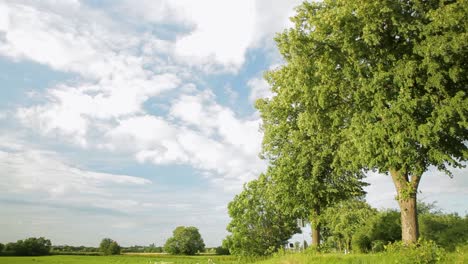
121	259
458	257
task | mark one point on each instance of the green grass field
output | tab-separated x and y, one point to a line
452	258
122	259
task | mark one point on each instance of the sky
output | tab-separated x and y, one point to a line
128	118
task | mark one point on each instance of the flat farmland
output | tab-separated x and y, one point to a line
122	259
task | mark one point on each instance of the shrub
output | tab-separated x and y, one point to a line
423	252
378	246
222	251
361	243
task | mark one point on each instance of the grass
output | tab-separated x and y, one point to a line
459	257
122	259
451	258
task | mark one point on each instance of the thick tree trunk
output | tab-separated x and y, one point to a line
409	220
315	226
407	188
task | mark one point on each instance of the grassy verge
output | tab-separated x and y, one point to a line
382	258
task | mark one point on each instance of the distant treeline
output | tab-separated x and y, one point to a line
28	247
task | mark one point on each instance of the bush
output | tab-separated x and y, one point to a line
423	252
109	247
361	243
30	247
222	251
1	247
378	246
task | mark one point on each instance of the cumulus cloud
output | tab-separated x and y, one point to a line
217	33
118	71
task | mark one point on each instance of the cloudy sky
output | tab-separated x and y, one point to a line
125	119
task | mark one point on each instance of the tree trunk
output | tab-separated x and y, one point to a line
316	235
409	220
315	226
407	188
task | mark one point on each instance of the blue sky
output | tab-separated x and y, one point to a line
125	118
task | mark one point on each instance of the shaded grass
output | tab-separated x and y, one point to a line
381	258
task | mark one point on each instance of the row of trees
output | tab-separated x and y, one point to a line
366	86
185	240
28	247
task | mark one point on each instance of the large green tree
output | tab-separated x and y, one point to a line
257	226
185	241
380	85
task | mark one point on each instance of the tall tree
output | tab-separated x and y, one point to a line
257	226
382	85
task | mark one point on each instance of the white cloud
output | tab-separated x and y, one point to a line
434	186
259	88
232	158
120	71
219	32
43	175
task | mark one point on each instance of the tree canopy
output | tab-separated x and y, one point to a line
185	241
109	247
373	85
30	247
257	226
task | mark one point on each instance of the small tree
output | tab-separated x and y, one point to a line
257	226
185	241
109	247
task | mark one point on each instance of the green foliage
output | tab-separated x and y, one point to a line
1	247
109	247
257	226
447	230
221	250
62	249
361	242
152	248
345	219
379	230
373	85
185	241
386	226
423	252
30	247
